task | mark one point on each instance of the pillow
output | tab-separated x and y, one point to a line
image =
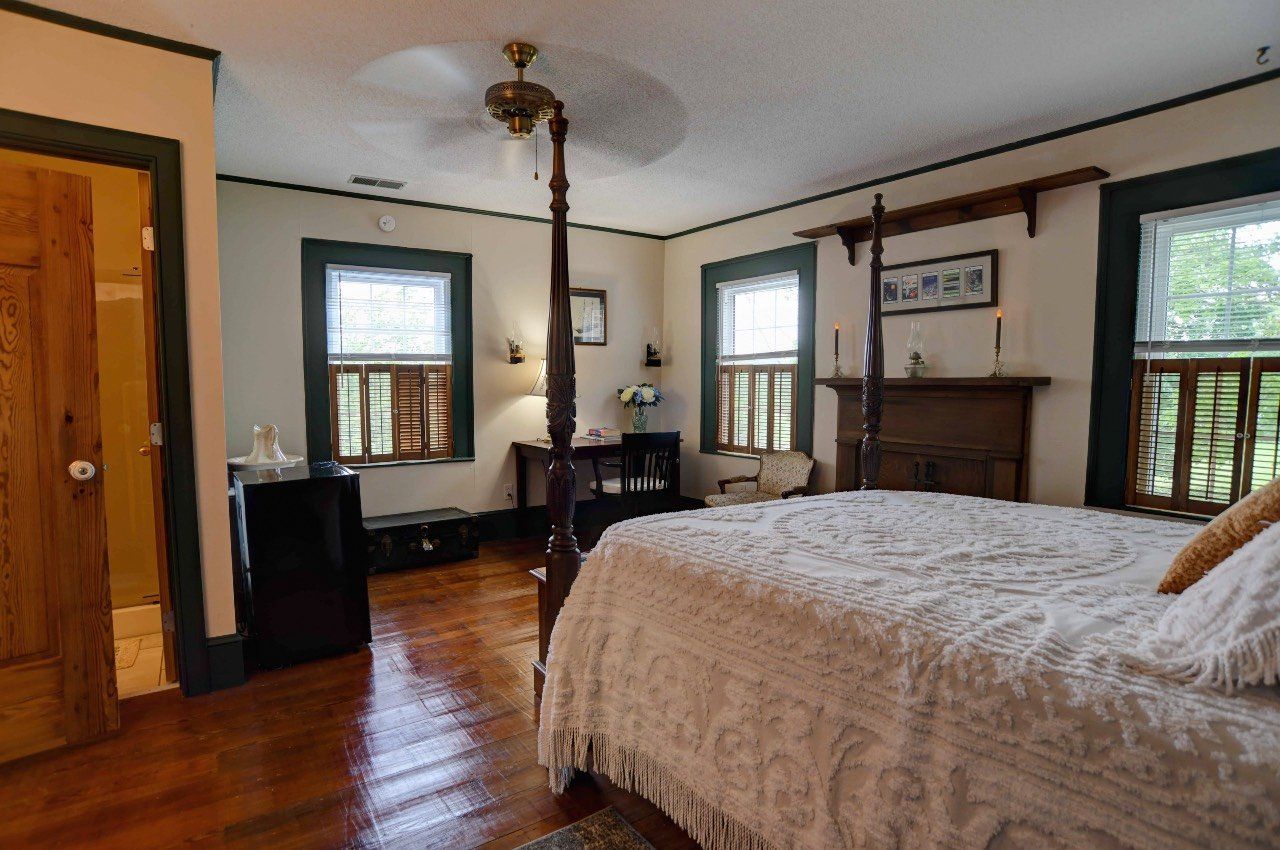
1228	531
1224	631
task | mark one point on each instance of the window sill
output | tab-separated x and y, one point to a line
387	463
728	454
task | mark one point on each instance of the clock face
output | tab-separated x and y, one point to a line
387	224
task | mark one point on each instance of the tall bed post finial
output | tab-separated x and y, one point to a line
563	557
873	361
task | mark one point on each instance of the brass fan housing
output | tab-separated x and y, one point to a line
520	104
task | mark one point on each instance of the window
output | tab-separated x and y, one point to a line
390	362
1204	390
389	374
758	352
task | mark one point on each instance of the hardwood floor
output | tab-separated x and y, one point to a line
426	739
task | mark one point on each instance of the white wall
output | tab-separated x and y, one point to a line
1046	284
260	233
60	72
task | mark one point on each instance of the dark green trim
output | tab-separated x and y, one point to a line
226	661
162	159
803	259
316	254
63	19
1128	115
1122	203
409	202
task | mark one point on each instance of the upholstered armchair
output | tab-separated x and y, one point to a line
781	475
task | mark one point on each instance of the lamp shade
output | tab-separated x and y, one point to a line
540	383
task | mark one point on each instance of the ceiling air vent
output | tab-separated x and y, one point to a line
378	182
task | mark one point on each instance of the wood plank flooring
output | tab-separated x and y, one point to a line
425	740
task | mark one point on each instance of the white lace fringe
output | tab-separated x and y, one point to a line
572	749
1256	661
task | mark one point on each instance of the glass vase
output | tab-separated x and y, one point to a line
639	421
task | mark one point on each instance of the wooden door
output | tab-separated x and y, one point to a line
57	664
151	329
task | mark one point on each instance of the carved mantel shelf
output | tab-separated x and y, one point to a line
940	383
975	206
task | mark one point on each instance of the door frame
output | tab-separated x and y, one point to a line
162	158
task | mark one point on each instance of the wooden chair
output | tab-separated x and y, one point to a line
649	474
781	475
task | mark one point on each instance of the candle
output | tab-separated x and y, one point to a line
999	317
837	345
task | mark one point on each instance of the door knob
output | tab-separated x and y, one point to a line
144	450
82	470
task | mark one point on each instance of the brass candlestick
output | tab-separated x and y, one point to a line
997	370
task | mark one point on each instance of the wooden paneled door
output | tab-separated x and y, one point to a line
57	666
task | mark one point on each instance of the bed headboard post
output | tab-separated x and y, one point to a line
873	360
563	557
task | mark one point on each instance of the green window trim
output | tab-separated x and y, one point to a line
1121	206
319	253
802	259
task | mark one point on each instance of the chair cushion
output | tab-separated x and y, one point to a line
783	471
739	497
613	486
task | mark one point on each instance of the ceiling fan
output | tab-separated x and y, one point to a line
422	106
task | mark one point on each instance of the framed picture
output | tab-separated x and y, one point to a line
945	283
590	320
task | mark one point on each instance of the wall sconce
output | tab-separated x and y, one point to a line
653	348
515	345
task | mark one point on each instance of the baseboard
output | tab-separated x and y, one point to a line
515	523
226	661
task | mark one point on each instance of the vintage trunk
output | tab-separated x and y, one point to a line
421	539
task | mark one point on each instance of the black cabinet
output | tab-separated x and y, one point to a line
303	556
421	539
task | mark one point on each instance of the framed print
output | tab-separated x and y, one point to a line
589	317
944	283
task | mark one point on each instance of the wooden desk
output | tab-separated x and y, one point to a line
583	449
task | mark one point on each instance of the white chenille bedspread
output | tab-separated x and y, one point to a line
887	669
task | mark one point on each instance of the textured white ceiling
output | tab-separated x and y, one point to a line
680	113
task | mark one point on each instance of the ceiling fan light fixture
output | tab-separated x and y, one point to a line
520	104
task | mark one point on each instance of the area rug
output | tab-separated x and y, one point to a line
605	830
127	652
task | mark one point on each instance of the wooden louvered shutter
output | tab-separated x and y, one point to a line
347	413
1261	461
438	417
782	415
408	417
1215	430
379	414
1186	432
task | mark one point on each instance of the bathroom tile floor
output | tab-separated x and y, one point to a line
140	665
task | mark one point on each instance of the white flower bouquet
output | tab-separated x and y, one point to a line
640	395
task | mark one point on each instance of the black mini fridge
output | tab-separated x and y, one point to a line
303	555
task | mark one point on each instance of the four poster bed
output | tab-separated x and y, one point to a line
879	668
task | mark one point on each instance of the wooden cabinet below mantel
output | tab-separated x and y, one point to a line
969	436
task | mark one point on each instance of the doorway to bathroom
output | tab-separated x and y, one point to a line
116	251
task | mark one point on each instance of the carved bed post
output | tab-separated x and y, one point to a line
563	557
873	359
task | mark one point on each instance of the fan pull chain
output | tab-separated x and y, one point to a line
535	151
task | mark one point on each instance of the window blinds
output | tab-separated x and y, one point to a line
387	316
759	319
1209	279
